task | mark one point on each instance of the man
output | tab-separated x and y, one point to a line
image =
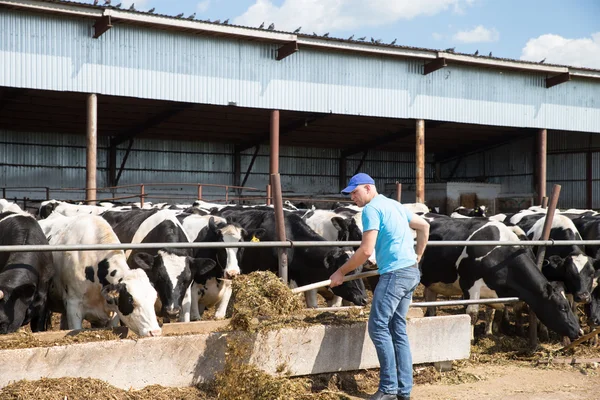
386	226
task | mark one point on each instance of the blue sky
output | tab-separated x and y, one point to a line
562	31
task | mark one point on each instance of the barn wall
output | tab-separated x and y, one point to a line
55	160
512	166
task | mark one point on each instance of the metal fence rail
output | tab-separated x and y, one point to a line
286	244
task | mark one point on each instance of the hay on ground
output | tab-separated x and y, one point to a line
25	340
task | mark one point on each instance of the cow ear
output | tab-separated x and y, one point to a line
143	261
111	293
211	224
201	266
339	223
253	233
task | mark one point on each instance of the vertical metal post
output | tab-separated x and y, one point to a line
420	172
142	195
544	202
541	254
542	147
226	194
280	227
199	192
269	195
589	180
92	143
274	144
398	192
3	193
47	193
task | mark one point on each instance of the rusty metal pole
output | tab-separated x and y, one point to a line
92	147
553	203
542	146
269	195
142	195
280	227
398	191
420	173
274	144
276	194
199	192
47	193
544	202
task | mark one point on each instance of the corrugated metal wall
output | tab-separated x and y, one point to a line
512	166
60	54
56	161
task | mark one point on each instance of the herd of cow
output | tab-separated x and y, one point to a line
133	287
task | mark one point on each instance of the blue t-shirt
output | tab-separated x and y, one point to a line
394	247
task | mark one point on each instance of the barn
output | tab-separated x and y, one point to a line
99	102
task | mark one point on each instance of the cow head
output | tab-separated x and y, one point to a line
353	291
18	286
229	259
133	300
592	309
576	271
556	313
479	211
171	273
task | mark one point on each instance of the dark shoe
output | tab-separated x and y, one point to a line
379	395
400	397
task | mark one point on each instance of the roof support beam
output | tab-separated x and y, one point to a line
287	50
150	123
102	25
434	65
557	79
283	131
385	139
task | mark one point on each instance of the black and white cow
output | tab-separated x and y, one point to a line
171	271
214	287
492	271
463	212
24	276
568	264
305	265
94	285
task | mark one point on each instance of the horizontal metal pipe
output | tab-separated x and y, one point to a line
287	244
465	302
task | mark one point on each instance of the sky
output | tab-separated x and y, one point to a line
564	32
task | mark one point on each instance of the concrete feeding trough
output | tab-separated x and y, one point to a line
180	361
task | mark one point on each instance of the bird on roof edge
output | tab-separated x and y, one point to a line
132	7
261	26
107	2
326	34
476	52
297	30
393	42
351	37
226	21
450	49
271	27
118	5
362	39
179	15
95	2
192	16
544	60
489	55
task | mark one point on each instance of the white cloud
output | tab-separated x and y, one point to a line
583	52
479	34
332	15
203	6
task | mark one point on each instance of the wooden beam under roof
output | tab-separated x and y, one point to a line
557	79
434	65
287	50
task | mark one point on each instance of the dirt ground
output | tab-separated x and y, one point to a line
517	382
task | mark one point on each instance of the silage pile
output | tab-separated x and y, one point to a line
25	340
91	389
260	298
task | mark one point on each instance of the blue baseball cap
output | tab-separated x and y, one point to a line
356	180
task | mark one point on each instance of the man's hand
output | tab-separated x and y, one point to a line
336	279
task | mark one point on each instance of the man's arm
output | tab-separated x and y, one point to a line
421	226
367	245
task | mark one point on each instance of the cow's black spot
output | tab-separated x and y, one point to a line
89	273
120	280
103	272
125	301
113	272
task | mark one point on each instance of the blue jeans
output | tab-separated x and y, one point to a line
387	329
